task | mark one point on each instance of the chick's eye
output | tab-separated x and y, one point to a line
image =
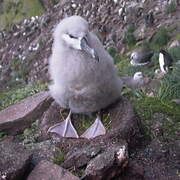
71	36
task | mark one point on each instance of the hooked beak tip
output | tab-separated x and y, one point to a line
94	55
85	46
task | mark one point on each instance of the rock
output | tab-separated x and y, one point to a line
123	121
108	164
80	157
46	170
157	124
14	161
133	11
49	118
44	150
134	171
140	32
19	116
159	160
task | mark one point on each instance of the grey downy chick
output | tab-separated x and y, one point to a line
84	78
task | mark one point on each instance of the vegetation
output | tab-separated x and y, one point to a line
129	37
175	53
31	134
177	36
19	67
2	135
116	56
161	38
55	1
171	8
14	96
148	107
170	85
161	103
59	158
13	11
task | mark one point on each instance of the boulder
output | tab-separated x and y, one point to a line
44	150
46	170
49	118
108	164
159	160
80	157
19	116
14	161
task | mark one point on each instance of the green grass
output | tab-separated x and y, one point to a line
14	96
175	53
170	85
2	135
20	70
14	11
59	158
161	38
116	56
171	8
125	69
177	36
30	135
55	1
129	37
162	102
148	106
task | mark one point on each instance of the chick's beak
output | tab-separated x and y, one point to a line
85	46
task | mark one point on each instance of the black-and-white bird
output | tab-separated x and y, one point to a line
165	61
149	18
141	58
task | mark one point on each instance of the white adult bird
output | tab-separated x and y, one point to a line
137	81
140	57
84	78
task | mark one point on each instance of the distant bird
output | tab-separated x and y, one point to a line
165	61
176	101
137	81
84	78
141	58
158	74
149	18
